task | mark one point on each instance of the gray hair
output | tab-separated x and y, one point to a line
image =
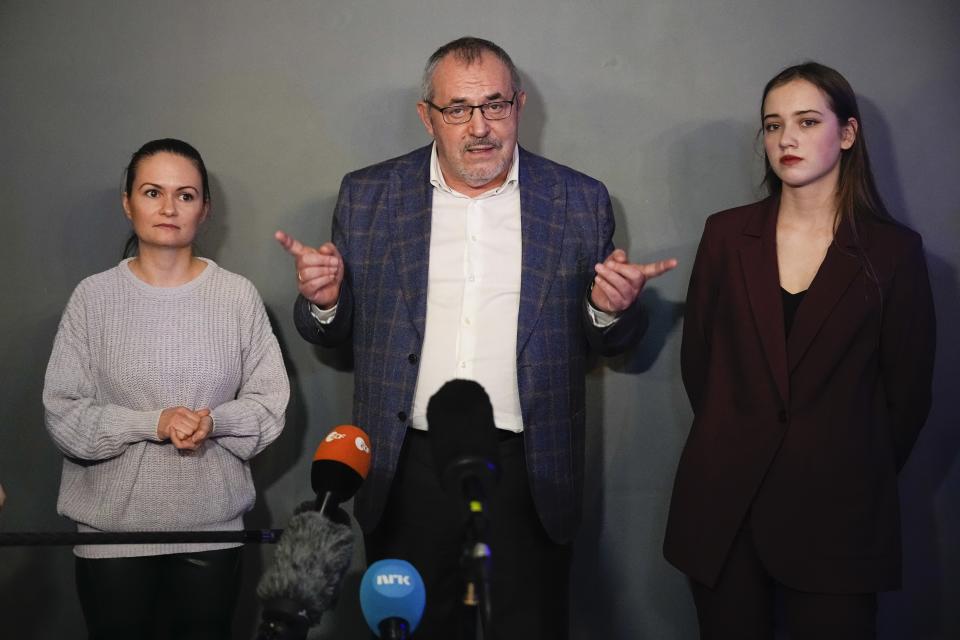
467	50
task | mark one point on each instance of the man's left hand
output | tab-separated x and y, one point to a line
618	282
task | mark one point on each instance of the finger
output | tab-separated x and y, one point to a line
606	297
330	249
206	426
203	412
179	441
317	287
312	276
185	425
290	244
623	276
313	259
618	255
655	269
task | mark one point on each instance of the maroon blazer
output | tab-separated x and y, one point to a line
805	436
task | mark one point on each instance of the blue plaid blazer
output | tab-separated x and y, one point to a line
382	227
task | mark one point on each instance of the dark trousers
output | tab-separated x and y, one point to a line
424	526
743	604
188	596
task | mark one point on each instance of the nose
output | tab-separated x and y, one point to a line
478	126
168	205
788	136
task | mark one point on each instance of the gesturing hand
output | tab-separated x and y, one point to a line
319	271
619	282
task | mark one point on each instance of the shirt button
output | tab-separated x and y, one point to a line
466	321
473	237
463	365
412	358
471	277
402	416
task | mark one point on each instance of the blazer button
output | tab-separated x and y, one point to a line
782	416
402	416
412	358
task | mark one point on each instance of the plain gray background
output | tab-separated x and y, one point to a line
657	98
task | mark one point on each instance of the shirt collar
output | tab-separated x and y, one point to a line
438	182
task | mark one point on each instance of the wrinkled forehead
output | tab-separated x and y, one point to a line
485	78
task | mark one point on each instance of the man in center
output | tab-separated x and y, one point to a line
473	258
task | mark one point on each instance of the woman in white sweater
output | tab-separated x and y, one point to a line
164	381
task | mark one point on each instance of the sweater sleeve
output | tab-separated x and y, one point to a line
251	421
81	425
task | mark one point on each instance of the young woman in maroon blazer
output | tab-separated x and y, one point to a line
807	356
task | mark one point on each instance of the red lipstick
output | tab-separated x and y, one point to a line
790	160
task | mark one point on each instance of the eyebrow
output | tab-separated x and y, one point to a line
796	113
158	186
490	96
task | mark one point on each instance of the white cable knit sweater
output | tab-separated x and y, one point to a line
125	351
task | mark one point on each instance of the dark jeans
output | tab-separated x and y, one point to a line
424	525
187	596
743	603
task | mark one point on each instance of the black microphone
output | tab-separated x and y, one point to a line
464	441
467	457
308	566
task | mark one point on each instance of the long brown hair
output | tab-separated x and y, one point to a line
857	193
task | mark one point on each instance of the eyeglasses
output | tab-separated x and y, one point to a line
462	113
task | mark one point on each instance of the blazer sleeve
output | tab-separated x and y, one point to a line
907	344
698	318
338	331
632	323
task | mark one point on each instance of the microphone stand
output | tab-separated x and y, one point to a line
476	560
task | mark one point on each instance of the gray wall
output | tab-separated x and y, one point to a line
657	98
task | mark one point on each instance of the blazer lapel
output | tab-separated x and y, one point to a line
758	260
542	215
411	188
839	267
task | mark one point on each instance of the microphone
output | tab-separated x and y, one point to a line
392	597
308	565
467	457
464	441
315	549
340	465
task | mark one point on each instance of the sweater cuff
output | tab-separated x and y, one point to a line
135	425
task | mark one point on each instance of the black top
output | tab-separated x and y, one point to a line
791	302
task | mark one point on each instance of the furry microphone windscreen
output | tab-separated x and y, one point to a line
308	565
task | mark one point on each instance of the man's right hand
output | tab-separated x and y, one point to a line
319	271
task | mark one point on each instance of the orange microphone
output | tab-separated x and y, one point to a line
340	465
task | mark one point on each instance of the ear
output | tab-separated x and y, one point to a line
126	206
521	101
206	212
423	110
848	133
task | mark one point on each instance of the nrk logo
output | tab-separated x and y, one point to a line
361	445
394	578
334	435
